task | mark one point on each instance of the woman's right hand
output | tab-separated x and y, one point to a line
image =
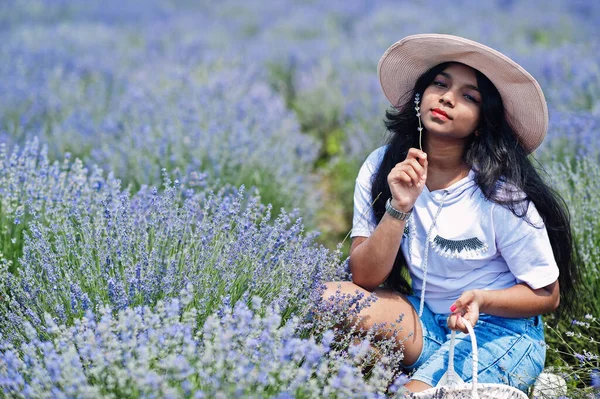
407	180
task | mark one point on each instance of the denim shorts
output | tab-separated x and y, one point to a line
511	351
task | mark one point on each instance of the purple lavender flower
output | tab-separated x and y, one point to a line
399	382
595	379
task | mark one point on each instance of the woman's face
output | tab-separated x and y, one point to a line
451	104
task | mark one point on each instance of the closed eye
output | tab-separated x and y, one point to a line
471	98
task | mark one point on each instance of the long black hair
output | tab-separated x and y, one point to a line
498	156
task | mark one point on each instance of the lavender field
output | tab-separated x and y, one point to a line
176	183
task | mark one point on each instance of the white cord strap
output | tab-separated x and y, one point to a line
474	353
426	253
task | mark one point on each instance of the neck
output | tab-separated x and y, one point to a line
445	155
445	163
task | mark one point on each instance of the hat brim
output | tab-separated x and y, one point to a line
524	103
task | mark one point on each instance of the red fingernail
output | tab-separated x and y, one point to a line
452	308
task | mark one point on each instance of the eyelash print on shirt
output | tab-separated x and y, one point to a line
453	248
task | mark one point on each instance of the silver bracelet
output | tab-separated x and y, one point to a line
395	213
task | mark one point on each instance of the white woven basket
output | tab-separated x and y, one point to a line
451	386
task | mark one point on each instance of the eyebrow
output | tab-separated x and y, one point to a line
468	86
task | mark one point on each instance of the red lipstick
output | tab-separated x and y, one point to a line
439	113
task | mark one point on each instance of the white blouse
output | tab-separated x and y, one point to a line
474	244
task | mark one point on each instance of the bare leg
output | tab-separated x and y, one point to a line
388	307
416	386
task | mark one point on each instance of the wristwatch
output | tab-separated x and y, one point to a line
395	213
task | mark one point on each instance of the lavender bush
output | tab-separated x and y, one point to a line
579	351
34	188
171	110
579	184
162	353
126	251
571	134
573	346
89	249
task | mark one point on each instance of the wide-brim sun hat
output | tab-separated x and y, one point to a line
524	103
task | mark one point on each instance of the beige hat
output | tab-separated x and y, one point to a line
524	103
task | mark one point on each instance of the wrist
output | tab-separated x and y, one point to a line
395	212
482	299
406	208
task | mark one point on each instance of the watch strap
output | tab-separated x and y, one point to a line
395	213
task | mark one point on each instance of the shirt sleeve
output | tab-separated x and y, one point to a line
363	221
525	247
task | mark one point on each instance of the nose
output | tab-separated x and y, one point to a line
447	98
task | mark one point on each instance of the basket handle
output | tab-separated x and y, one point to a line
474	350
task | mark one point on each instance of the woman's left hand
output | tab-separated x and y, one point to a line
467	306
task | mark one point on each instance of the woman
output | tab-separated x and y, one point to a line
454	198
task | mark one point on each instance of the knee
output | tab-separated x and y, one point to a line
336	300
335	289
330	289
345	297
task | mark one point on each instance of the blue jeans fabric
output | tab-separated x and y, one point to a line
511	351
